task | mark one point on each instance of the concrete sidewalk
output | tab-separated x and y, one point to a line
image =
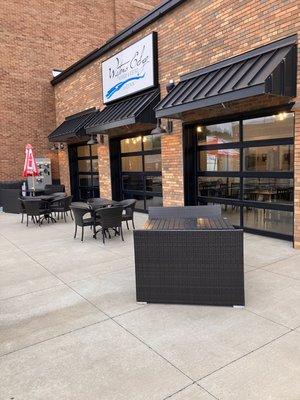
70	327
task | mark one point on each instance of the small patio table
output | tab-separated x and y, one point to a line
189	261
47	199
100	202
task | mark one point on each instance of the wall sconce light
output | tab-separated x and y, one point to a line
57	146
93	140
160	130
170	85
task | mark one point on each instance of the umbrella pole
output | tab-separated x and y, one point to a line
33	185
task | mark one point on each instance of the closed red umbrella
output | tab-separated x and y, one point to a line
30	167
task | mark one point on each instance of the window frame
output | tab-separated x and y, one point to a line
241	174
143	174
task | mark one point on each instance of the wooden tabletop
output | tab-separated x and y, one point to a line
187	224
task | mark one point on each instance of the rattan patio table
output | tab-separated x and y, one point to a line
189	261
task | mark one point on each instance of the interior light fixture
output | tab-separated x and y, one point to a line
281	116
199	129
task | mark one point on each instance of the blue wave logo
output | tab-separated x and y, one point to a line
119	85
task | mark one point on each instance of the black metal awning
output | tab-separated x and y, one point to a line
270	69
73	126
138	110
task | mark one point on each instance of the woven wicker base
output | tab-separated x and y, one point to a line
190	267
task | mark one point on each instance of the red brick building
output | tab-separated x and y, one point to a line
37	37
235	113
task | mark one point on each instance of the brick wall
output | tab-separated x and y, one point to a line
36	37
104	169
193	35
63	158
131	10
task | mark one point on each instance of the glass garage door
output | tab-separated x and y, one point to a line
141	170
247	166
84	173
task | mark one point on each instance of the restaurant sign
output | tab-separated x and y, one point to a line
131	70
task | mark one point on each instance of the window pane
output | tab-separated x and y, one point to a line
220	160
152	142
269	220
269	190
83	151
96	180
94	149
153	201
153	184
132	182
95	164
133	164
139	198
268	158
85	194
132	144
219	133
271	127
219	187
153	162
85	180
231	212
84	165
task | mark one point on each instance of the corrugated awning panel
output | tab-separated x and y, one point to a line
72	126
125	112
269	69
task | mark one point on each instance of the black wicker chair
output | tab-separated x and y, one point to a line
110	217
213	211
61	205
128	206
79	211
36	209
22	208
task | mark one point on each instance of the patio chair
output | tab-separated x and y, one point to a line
22	208
213	211
79	211
110	217
128	206
36	209
62	205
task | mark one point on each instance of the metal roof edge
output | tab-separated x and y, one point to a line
81	113
126	33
